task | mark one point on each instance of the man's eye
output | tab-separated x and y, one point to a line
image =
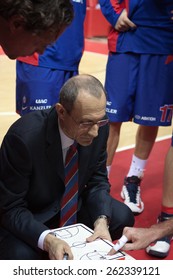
86	123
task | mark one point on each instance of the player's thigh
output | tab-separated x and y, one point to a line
154	98
120	84
40	89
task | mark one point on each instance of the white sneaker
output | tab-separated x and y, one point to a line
162	246
131	194
159	249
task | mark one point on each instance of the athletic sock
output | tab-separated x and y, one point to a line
137	167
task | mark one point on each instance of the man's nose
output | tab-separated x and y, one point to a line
93	130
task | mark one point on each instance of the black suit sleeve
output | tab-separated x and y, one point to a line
15	171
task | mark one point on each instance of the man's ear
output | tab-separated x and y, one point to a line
16	23
60	111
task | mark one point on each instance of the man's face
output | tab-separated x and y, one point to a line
81	124
17	41
25	43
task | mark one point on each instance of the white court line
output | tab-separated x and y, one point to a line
8	113
161	138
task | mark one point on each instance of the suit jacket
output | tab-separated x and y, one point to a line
32	175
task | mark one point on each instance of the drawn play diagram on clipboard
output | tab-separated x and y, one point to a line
75	236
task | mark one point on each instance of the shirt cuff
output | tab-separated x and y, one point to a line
41	239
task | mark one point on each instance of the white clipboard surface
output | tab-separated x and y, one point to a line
75	236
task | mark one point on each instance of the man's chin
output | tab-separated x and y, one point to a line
11	56
86	142
15	56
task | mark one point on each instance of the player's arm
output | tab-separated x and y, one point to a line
124	23
140	238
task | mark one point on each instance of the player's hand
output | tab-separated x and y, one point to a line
118	245
56	248
139	238
100	231
124	23
112	252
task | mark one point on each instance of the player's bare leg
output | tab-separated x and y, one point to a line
113	140
167	198
145	139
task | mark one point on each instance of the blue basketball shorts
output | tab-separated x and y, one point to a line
140	88
38	88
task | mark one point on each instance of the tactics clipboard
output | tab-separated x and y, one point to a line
75	236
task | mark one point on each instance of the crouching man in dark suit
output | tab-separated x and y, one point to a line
32	175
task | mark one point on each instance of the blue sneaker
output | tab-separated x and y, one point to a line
162	246
131	194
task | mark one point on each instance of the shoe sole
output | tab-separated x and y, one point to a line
157	254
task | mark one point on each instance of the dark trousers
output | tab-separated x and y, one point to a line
12	248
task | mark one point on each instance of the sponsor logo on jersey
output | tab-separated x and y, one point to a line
24	108
111	111
137	117
108	103
34	108
144	118
151	119
78	1
41	101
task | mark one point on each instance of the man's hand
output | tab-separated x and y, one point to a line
100	231
56	248
124	23
139	238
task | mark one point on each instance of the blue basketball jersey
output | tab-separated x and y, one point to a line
154	32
